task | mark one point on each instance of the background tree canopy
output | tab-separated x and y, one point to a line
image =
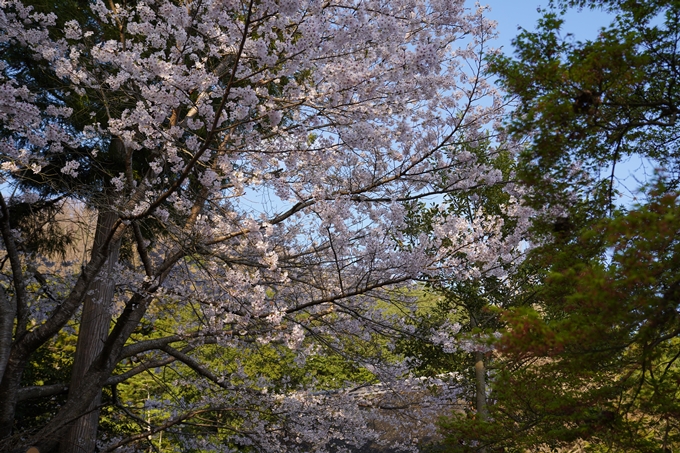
591	355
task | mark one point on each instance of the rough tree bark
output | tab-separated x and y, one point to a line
94	329
7	314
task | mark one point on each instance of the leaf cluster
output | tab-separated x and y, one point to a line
591	358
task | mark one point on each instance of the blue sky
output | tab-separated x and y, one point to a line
511	14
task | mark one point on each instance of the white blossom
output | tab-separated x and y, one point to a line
264	188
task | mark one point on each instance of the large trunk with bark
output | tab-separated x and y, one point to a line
9	390
94	328
7	315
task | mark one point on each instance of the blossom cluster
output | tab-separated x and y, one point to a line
261	157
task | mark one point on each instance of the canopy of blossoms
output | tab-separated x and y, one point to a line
252	164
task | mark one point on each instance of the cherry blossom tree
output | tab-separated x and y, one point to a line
251	164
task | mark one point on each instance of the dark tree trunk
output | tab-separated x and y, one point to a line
7	314
9	390
94	328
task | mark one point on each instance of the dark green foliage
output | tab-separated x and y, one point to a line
593	358
50	364
589	106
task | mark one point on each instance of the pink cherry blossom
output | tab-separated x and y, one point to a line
278	144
